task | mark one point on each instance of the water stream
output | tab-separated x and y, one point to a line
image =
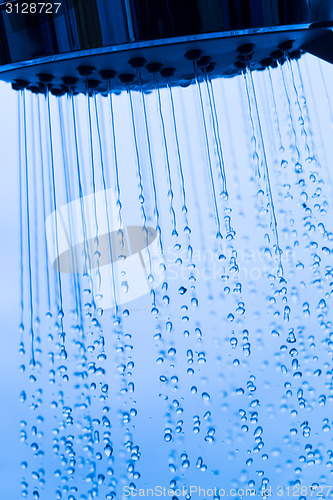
176	286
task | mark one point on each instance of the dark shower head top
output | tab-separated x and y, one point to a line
82	45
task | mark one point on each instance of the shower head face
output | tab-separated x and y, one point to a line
61	36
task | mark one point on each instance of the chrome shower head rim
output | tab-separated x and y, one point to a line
56	45
221	47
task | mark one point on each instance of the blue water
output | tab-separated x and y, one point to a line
218	375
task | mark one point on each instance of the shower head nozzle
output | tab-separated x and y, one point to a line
120	40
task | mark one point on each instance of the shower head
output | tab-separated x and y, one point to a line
84	44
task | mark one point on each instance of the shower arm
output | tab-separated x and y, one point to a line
105	39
